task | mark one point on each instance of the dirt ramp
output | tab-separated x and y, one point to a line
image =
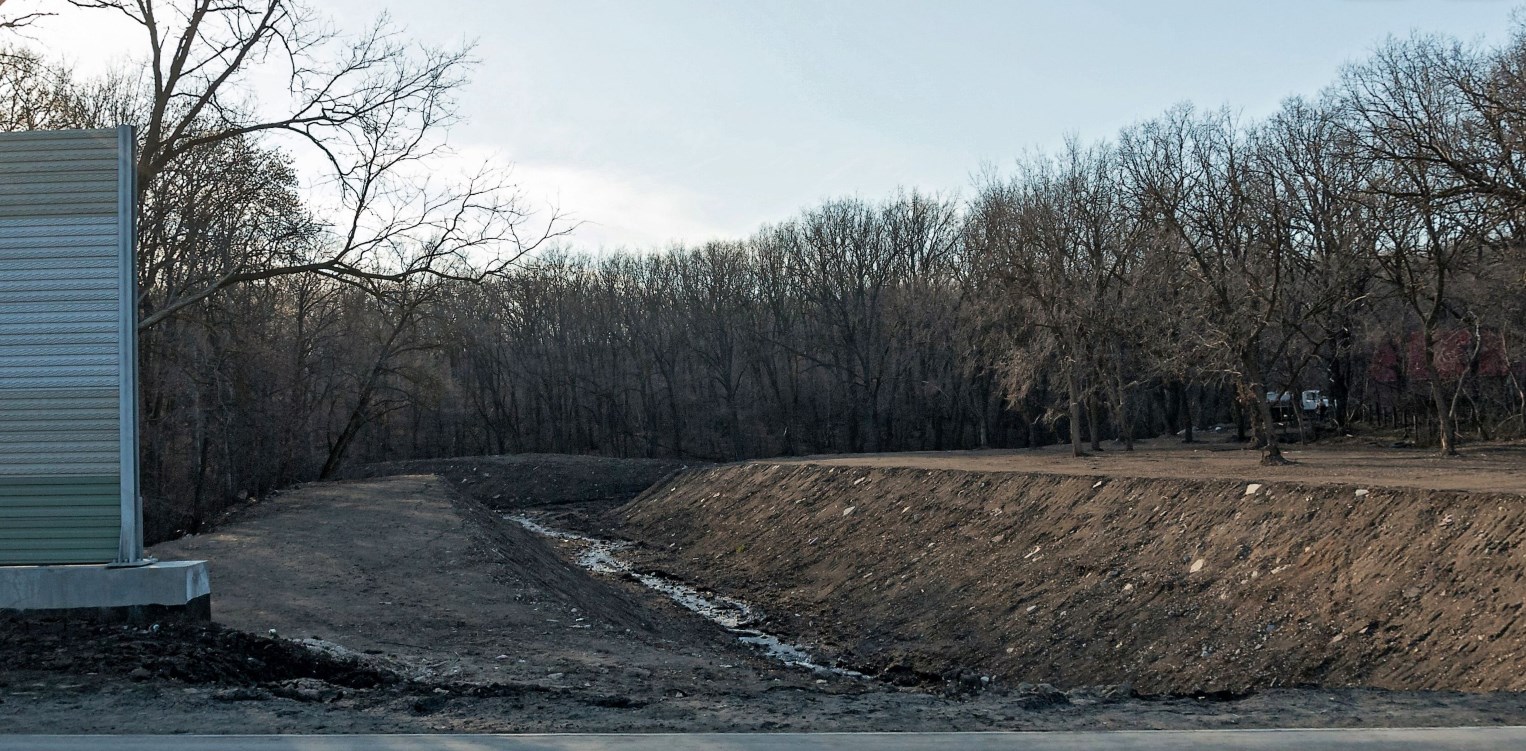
516	481
1177	586
406	567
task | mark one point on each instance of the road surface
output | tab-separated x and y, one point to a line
1431	739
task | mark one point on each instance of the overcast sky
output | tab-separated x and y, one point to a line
662	121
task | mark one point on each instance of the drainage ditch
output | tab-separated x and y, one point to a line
737	617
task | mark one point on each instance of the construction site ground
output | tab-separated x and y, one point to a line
401	600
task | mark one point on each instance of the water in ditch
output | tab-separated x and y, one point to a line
599	556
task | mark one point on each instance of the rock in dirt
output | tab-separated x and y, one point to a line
1041	696
242	693
308	690
617	702
430	704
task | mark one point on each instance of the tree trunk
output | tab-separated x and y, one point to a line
1443	410
1125	425
1073	386
1182	399
1094	422
1271	452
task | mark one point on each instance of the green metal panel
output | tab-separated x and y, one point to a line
59	518
65	311
27	517
70	532
11	486
57	553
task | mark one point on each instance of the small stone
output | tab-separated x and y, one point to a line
1253	488
430	704
1119	692
848	510
1197	565
1040	696
1361	492
140	674
242	693
307	690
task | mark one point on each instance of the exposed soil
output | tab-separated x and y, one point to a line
1174	585
400	605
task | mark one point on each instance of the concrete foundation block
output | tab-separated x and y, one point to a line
138	593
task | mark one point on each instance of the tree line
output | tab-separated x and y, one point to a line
1363	242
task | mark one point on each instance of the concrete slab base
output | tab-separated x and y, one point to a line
134	594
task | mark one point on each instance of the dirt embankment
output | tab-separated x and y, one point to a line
570	492
1178	586
542	481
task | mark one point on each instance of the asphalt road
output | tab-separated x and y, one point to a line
1438	739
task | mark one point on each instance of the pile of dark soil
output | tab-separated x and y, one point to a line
183	651
1176	586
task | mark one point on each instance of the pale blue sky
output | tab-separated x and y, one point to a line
658	121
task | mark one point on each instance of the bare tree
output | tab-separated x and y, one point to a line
1434	215
15	21
372	107
1194	175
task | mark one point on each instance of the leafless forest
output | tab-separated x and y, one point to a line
367	306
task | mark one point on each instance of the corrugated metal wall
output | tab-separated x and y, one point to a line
61	367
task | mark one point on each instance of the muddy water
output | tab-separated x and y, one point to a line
599	556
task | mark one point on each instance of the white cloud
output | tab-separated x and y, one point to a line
618	210
611	209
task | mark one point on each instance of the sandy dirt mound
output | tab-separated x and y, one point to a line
1178	586
188	652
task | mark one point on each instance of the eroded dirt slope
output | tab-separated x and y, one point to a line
1175	585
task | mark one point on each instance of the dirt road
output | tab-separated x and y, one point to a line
1421	739
1491	468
